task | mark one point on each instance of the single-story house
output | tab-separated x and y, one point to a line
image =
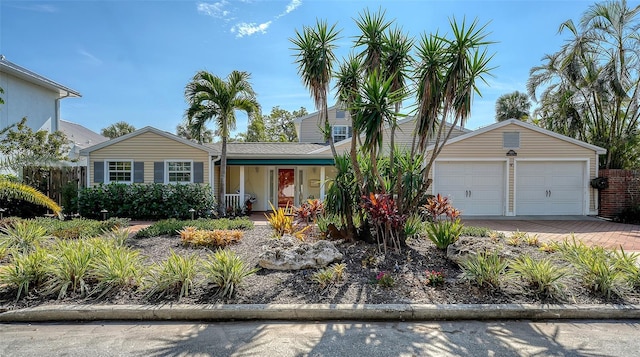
505	169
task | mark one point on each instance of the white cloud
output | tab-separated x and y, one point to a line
215	9
293	5
92	59
244	29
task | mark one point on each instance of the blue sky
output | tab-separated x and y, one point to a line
131	60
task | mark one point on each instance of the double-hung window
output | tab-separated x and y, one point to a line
341	132
120	171
179	171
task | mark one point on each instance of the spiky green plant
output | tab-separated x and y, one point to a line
628	263
69	271
25	270
484	269
23	235
226	270
117	267
542	274
444	233
177	274
15	190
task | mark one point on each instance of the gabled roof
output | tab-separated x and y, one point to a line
79	135
148	129
538	129
311	115
270	149
32	77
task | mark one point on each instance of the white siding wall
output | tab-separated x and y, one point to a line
24	99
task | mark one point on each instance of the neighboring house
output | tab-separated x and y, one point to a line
505	169
79	138
28	94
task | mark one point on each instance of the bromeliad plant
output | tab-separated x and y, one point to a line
387	222
309	211
445	226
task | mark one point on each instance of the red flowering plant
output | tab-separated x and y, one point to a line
434	277
445	226
382	212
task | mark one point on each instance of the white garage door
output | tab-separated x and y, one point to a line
475	188
550	188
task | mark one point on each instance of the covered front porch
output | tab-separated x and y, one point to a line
258	184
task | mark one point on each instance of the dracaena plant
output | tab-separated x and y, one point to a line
383	214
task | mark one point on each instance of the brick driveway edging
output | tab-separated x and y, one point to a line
590	230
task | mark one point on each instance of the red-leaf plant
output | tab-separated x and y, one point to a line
439	207
309	211
383	214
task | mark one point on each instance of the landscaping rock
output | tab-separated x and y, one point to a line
301	256
466	246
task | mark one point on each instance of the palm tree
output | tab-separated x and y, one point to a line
447	72
19	191
213	98
199	134
314	55
514	105
117	129
592	85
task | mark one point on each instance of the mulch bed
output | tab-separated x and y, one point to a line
363	262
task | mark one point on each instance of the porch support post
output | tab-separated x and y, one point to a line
322	178
242	187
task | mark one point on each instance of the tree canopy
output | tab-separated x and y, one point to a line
590	88
117	129
514	105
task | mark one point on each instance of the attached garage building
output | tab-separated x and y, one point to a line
515	168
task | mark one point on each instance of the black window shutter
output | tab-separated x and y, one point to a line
198	172
98	171
138	172
158	172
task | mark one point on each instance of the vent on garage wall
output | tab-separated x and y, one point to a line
511	140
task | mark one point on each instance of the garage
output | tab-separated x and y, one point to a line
550	188
474	187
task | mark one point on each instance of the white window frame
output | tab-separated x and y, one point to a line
348	132
166	171
107	178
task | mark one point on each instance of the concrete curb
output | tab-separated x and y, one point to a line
318	312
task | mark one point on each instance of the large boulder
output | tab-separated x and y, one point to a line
289	256
466	246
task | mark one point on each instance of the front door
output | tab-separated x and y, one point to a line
286	187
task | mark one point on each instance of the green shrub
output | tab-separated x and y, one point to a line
628	263
117	267
226	271
172	226
597	267
80	227
629	215
445	232
69	271
542	274
23	235
176	275
25	270
146	201
484	269
413	226
327	276
470	231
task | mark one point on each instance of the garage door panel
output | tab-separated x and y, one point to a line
474	188
550	188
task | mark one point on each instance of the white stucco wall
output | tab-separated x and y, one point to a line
24	99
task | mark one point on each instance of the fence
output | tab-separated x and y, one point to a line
51	181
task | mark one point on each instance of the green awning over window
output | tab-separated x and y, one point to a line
279	162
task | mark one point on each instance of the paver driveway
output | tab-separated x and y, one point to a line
590	230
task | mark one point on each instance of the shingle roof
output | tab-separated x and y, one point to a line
273	149
80	135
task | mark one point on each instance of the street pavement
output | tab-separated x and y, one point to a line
283	339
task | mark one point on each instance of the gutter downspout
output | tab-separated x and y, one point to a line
55	126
